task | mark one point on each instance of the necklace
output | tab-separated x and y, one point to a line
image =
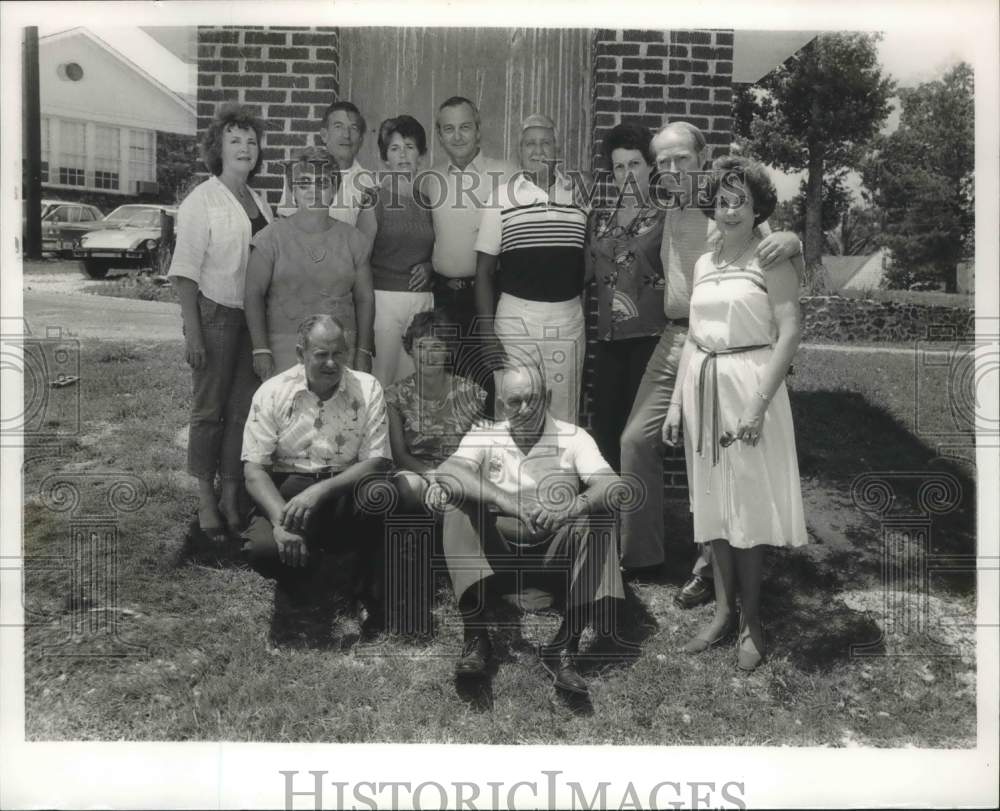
722	246
305	240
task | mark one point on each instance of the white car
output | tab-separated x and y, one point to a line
136	243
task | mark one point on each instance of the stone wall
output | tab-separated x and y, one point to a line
834	319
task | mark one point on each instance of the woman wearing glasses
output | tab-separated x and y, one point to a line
624	260
306	264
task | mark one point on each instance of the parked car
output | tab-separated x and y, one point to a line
63	223
138	242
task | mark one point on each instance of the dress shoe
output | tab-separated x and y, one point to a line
697	591
561	664
475	655
748	658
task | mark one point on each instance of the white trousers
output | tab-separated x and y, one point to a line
552	334
393	313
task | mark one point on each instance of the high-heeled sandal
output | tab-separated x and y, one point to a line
748	660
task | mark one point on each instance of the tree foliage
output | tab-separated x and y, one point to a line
922	177
817	112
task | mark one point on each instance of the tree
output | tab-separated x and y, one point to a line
836	201
922	176
857	233
817	112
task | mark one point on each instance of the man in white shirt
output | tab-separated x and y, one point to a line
317	434
457	190
532	497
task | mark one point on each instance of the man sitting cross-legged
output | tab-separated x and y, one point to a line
519	509
315	434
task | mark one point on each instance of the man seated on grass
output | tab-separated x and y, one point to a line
316	433
516	486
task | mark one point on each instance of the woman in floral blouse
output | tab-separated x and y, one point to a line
623	258
431	410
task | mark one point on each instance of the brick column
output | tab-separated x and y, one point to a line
288	76
652	78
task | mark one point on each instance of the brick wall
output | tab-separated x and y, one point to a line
650	78
288	75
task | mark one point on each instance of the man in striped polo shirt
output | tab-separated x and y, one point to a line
536	227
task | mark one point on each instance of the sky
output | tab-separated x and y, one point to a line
911	57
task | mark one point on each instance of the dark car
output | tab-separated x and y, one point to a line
138	242
63	223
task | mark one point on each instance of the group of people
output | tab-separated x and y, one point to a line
425	330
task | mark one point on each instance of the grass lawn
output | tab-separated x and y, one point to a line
217	659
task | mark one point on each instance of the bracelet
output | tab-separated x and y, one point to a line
673	405
763	397
584	502
368	352
263	352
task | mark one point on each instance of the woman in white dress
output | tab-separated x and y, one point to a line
739	442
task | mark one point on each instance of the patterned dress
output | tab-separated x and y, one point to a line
432	429
744	494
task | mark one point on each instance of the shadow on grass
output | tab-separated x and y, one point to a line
840	437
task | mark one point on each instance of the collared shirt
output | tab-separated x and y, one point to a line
291	431
213	241
457	198
628	273
564	457
539	235
357	186
687	234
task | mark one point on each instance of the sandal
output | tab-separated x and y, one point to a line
749	659
698	644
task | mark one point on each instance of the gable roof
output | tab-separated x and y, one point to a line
176	98
841	269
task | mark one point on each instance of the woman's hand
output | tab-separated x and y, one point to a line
672	426
194	349
749	427
420	277
263	365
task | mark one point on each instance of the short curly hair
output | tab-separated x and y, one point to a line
230	116
750	174
407	127
434	323
628	135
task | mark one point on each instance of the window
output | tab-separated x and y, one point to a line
140	155
73	144
45	149
106	158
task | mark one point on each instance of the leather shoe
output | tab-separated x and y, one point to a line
697	591
475	655
560	662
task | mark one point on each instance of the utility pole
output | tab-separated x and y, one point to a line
32	164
